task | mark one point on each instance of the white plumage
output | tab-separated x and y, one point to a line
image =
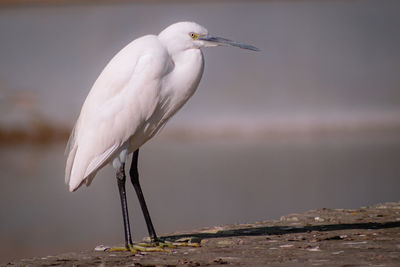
135	95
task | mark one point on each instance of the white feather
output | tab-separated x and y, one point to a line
134	96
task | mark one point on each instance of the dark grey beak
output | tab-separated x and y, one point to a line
214	41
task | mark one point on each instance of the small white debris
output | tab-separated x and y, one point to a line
101	248
319	219
343	236
314	248
286	246
337	252
273	248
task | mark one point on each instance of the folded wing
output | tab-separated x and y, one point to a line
123	97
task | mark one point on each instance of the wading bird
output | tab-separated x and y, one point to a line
146	83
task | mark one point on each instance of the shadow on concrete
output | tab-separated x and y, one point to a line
282	230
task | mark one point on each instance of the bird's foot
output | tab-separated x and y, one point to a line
159	245
136	248
182	242
130	248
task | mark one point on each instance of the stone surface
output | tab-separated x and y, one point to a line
369	236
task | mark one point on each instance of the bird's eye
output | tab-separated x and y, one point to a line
193	35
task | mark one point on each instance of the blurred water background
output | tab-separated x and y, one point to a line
311	121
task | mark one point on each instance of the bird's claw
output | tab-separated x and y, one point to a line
183	242
130	248
141	247
159	245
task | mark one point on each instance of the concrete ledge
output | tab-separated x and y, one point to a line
369	236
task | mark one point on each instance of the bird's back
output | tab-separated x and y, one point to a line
115	107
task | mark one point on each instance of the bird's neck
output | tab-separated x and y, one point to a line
188	68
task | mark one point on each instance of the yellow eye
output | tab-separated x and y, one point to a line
193	35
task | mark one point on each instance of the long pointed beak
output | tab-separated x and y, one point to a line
214	41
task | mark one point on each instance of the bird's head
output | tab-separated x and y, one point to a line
190	35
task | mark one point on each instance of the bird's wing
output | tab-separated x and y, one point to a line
124	96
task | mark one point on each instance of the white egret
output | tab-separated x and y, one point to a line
134	96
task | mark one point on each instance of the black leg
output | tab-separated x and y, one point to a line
121	179
133	172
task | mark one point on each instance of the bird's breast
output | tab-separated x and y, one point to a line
176	88
184	79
